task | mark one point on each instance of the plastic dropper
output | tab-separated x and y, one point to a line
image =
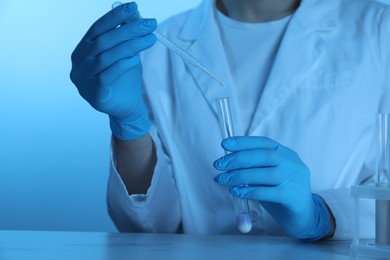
179	51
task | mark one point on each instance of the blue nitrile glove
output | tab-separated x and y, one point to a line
276	177
107	70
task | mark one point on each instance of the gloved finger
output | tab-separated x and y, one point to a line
269	176
130	31
239	143
281	175
122	51
108	22
268	194
112	20
248	159
107	77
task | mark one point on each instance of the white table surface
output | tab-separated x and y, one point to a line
89	245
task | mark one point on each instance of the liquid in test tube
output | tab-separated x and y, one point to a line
241	207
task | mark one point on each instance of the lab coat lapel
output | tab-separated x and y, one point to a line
301	45
202	35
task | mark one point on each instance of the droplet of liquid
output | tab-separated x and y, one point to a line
244	222
116	4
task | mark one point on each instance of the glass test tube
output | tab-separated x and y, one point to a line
241	207
382	207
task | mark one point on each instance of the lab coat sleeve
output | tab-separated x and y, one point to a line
157	211
339	200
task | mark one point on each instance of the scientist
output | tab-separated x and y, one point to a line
305	78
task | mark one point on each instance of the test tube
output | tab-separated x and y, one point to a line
241	207
382	207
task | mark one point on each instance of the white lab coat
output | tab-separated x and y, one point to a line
326	85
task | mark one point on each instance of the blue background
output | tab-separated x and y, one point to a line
54	148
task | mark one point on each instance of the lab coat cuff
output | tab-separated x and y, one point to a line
136	200
144	212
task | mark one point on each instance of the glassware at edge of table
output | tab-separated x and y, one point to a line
241	206
382	207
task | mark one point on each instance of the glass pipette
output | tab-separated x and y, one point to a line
179	51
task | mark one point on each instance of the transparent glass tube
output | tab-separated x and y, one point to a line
179	51
383	149
382	207
241	207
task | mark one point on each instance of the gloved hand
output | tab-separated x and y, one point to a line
107	70
276	177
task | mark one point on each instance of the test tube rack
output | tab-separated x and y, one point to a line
367	248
